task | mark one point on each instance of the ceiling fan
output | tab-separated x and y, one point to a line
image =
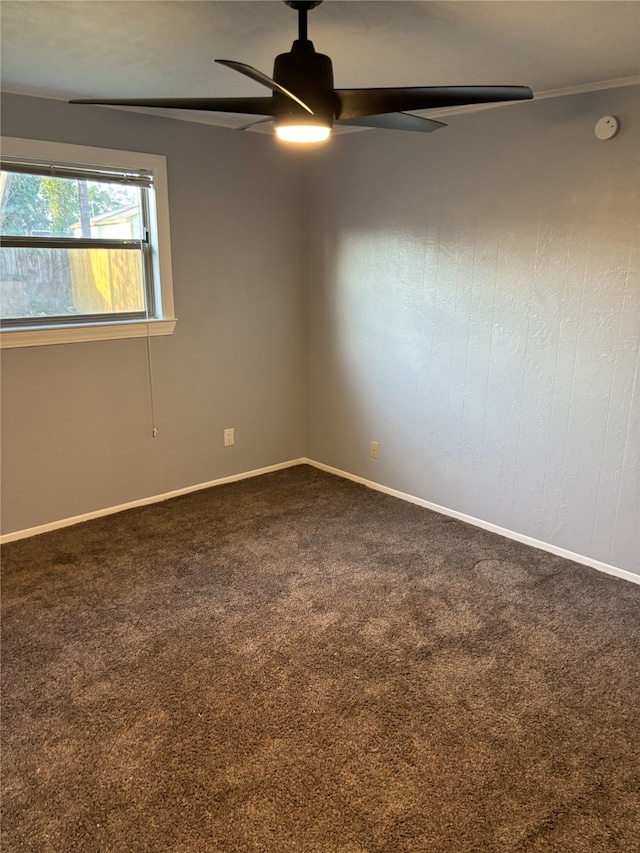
304	105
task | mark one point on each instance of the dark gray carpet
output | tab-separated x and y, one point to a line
296	663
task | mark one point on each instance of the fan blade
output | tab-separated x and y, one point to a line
355	103
259	77
395	121
254	123
248	106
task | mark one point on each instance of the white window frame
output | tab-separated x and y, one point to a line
97	330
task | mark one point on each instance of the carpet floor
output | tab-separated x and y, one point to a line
297	663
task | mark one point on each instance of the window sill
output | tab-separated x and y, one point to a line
38	336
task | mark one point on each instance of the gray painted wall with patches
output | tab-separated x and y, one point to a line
471	304
473	307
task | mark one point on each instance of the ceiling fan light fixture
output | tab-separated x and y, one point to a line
303	133
304	104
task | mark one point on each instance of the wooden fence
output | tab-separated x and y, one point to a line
106	280
49	282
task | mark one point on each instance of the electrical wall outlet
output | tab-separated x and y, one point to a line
229	437
374	450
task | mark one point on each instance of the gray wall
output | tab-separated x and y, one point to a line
473	306
75	417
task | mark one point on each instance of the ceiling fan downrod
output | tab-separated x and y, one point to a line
302	7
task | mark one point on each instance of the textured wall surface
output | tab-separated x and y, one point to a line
473	307
75	417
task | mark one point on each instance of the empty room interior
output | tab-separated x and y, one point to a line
320	459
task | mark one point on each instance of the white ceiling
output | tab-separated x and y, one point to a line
156	48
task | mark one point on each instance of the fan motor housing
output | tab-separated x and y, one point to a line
302	69
309	75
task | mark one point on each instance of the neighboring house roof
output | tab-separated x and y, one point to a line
118	215
122	214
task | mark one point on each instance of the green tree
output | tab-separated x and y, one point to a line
23	210
62	200
32	203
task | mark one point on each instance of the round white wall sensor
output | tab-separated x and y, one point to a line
607	127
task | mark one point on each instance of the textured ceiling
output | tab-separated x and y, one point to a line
167	47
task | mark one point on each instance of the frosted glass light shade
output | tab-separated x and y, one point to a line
303	132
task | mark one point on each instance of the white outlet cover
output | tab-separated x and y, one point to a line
607	127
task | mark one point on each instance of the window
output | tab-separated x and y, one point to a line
85	244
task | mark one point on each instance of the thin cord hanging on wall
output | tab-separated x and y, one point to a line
154	429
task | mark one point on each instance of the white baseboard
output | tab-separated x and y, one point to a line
477	522
111	510
485	525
